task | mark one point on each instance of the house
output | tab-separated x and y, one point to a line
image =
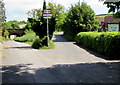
110	23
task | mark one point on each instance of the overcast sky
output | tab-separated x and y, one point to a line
17	9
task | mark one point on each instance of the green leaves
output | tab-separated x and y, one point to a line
2	14
58	14
56	8
12	24
113	7
39	25
107	43
36	13
79	18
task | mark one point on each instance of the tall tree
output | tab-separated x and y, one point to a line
39	26
2	14
58	14
56	9
79	18
34	13
12	24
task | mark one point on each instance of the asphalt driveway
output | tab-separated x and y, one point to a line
67	63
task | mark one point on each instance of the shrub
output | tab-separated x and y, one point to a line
37	44
28	37
107	43
31	38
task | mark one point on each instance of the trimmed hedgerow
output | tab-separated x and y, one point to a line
107	43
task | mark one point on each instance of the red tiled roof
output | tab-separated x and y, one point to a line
110	19
101	19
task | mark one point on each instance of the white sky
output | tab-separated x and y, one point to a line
17	9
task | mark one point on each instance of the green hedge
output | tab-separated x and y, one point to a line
107	43
29	37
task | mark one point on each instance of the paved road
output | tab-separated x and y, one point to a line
67	63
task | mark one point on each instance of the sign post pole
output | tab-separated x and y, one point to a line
48	32
47	13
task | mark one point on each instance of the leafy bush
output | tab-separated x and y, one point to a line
1	38
37	44
12	24
6	33
31	38
107	43
28	37
40	28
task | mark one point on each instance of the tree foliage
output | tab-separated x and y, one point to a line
39	25
36	13
12	24
58	14
2	14
60	22
114	6
56	9
79	18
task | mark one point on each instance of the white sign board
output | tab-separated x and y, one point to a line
47	13
47	17
113	27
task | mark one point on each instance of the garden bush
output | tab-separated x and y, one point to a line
28	37
37	43
31	38
107	43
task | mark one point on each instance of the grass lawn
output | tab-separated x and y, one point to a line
0	38
51	45
104	15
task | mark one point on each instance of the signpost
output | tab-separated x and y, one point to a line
47	13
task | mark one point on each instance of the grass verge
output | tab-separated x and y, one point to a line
51	46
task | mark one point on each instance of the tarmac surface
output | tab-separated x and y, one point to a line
66	63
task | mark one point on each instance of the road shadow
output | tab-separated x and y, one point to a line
63	73
95	53
60	38
20	47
